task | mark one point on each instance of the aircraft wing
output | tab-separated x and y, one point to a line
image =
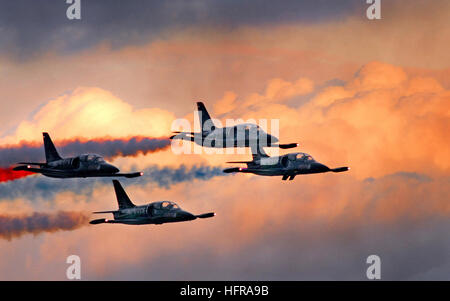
246	169
232	169
189	135
339	169
183	135
127	175
27	168
71	173
33	163
47	171
286	146
106	221
101	212
186	133
111	221
206	215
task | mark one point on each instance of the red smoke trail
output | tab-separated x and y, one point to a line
8	174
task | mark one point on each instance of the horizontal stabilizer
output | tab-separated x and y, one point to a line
233	169
340	169
206	215
186	133
287	146
109	211
33	163
98	221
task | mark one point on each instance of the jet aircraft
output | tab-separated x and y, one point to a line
241	135
287	166
87	165
153	213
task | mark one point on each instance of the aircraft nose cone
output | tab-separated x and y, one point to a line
109	168
184	215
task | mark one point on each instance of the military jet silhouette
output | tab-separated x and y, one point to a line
287	166
241	135
87	165
153	213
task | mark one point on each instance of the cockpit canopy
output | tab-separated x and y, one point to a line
305	157
246	126
243	128
92	158
300	157
167	205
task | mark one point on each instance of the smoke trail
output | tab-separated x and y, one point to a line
46	188
36	223
8	174
109	148
167	176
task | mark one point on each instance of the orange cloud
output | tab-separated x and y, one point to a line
92	113
381	121
389	122
202	63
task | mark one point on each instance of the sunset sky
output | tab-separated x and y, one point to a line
373	95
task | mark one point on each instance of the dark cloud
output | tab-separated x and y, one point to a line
407	252
29	27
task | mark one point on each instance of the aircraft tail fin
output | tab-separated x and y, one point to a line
258	152
122	198
205	120
50	151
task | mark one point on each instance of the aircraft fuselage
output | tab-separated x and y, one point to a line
286	166
235	136
153	213
278	166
